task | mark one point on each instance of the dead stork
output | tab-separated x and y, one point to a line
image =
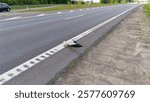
72	43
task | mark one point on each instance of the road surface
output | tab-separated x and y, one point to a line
22	38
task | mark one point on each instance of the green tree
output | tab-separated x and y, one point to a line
112	1
105	1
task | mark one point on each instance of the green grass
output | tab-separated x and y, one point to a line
147	10
17	7
67	7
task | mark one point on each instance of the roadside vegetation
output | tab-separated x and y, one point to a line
15	7
67	7
37	2
34	2
146	9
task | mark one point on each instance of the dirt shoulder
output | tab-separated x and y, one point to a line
123	57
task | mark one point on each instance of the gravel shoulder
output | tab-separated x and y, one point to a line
121	58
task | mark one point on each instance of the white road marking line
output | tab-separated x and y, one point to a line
74	17
25	66
20	17
58	12
71	11
13	18
41	15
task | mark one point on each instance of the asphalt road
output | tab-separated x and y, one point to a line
22	38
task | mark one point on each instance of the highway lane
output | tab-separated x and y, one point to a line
24	38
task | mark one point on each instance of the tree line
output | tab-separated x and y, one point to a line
114	1
33	2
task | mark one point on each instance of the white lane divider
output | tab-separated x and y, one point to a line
58	12
20	17
71	11
80	10
29	64
74	17
13	18
40	15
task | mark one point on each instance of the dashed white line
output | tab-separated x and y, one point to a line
71	11
30	63
80	10
74	17
40	15
13	18
58	12
20	17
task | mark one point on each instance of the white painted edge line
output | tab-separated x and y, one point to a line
74	17
28	64
32	62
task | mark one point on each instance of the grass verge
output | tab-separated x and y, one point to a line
67	7
17	7
147	10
